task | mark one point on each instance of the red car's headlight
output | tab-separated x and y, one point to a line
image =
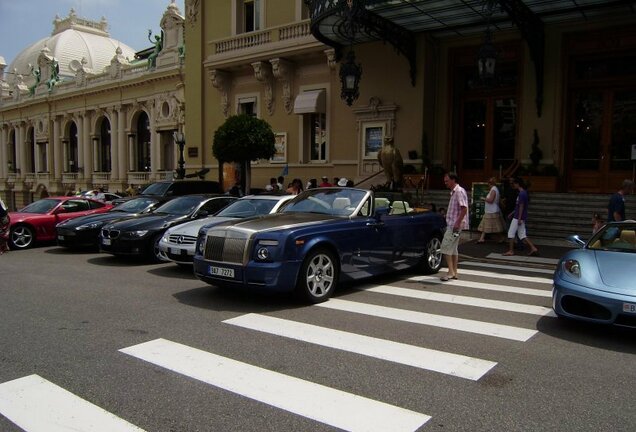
572	267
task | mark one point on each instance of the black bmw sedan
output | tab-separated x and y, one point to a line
84	231
140	236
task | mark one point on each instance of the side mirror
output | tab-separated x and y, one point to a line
575	239
60	210
201	214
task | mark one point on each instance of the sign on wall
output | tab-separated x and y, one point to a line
281	148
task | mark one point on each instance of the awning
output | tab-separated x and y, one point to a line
310	102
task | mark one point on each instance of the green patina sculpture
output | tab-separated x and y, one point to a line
158	42
36	73
55	75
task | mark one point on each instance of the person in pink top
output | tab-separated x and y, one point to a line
456	221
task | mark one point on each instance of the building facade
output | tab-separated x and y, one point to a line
560	107
79	110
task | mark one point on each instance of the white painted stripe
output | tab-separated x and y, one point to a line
508	267
461	300
327	405
461	324
38	405
482	286
424	358
523	259
506	276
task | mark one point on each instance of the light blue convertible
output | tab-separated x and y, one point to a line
320	238
598	281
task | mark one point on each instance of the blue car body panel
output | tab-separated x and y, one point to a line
364	245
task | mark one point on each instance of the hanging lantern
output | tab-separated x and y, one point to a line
487	58
350	74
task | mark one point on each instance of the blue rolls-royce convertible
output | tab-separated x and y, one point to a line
596	282
320	238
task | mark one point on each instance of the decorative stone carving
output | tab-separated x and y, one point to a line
117	63
263	73
331	58
192	11
283	71
41	126
221	81
81	71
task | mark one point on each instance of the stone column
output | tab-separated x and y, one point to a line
122	153
114	146
131	152
80	144
154	141
58	160
4	136
21	153
88	147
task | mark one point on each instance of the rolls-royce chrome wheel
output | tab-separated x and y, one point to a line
318	276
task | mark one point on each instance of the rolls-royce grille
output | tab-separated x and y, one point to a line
225	249
182	239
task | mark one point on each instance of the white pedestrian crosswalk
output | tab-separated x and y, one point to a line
38	405
59	409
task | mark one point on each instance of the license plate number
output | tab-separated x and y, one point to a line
176	251
629	307
222	271
60	237
106	242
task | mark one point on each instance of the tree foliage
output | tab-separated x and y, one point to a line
243	138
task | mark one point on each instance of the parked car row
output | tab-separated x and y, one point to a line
307	243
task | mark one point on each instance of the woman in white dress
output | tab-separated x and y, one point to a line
492	222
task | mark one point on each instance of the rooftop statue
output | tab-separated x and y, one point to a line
36	73
158	42
55	75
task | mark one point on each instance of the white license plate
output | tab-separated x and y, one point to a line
60	237
106	242
175	251
629	307
222	271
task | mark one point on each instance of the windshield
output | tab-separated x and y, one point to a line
244	208
156	189
329	201
136	205
184	205
42	206
615	237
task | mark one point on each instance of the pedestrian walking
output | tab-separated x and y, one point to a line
519	220
492	222
456	221
616	205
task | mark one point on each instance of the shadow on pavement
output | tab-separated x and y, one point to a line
612	338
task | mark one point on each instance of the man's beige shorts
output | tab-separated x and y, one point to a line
450	242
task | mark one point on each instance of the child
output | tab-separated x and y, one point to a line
597	222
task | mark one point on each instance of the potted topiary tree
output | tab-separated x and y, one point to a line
241	139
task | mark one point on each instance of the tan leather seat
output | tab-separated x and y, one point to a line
629	236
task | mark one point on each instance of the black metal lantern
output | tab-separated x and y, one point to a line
350	74
487	58
179	140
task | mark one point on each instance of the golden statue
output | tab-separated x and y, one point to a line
391	160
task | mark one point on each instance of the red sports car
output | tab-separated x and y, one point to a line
36	222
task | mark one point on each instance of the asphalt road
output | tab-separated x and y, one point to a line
120	345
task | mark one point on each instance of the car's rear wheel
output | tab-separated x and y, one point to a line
318	276
431	262
22	237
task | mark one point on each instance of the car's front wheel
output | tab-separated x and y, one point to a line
318	276
22	237
431	262
155	253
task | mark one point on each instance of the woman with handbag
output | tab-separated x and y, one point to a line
492	222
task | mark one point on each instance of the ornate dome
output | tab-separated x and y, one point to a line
73	38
